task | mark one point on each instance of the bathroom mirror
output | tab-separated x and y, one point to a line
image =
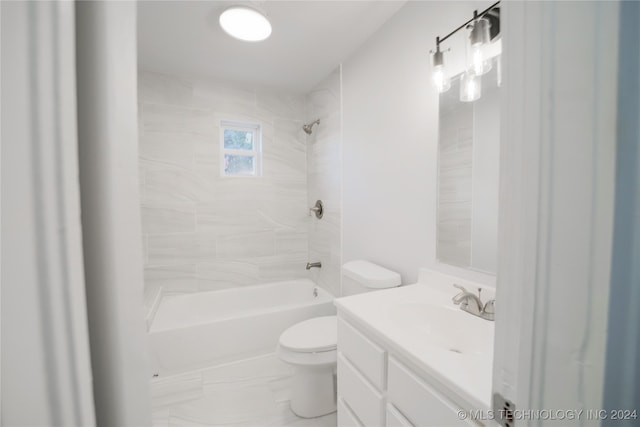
468	167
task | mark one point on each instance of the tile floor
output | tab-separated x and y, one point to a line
247	393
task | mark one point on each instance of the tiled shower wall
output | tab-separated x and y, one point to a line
324	163
205	232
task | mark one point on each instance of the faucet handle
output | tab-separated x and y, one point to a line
459	298
489	307
462	288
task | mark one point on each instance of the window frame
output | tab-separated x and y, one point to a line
256	153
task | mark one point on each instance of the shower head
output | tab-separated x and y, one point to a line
308	127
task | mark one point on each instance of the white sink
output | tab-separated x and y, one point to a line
448	328
421	323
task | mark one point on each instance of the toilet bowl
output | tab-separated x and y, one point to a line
310	346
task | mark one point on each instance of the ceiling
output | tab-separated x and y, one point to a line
309	39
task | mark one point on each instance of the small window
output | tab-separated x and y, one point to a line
240	147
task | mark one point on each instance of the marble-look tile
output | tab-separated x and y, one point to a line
168	218
265	367
283	267
232	189
233	403
281	105
171	185
291	242
285	213
281	388
246	230
250	393
228	218
207	153
324	181
170	148
224	98
179	119
260	243
160	416
178	388
181	249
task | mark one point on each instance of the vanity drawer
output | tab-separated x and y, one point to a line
368	357
364	400
395	418
420	403
346	418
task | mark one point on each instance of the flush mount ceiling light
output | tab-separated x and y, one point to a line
245	23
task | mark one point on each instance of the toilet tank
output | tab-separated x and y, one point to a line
364	276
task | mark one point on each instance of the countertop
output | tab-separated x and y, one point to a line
387	316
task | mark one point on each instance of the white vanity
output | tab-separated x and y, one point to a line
409	357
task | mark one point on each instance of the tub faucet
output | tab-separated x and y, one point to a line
472	303
310	265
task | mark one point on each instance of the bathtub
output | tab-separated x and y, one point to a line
192	331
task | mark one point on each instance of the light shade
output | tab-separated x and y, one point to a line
478	41
470	87
245	23
441	81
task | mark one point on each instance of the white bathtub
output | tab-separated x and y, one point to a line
191	331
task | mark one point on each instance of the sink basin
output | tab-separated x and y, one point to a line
447	328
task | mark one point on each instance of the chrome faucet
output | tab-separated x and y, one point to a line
311	265
472	303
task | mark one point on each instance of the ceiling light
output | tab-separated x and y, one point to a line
245	23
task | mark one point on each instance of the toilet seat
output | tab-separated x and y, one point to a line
317	335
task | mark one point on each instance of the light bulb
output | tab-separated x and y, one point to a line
440	81
470	87
478	63
479	38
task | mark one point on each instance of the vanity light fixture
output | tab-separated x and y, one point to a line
245	23
479	38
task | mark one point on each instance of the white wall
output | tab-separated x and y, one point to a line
390	130
203	231
324	180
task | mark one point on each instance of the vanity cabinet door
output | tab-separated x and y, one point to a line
420	403
359	395
368	357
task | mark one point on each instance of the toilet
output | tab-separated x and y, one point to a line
310	346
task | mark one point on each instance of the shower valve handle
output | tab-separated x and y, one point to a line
318	209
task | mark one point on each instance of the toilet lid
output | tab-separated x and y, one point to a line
313	335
